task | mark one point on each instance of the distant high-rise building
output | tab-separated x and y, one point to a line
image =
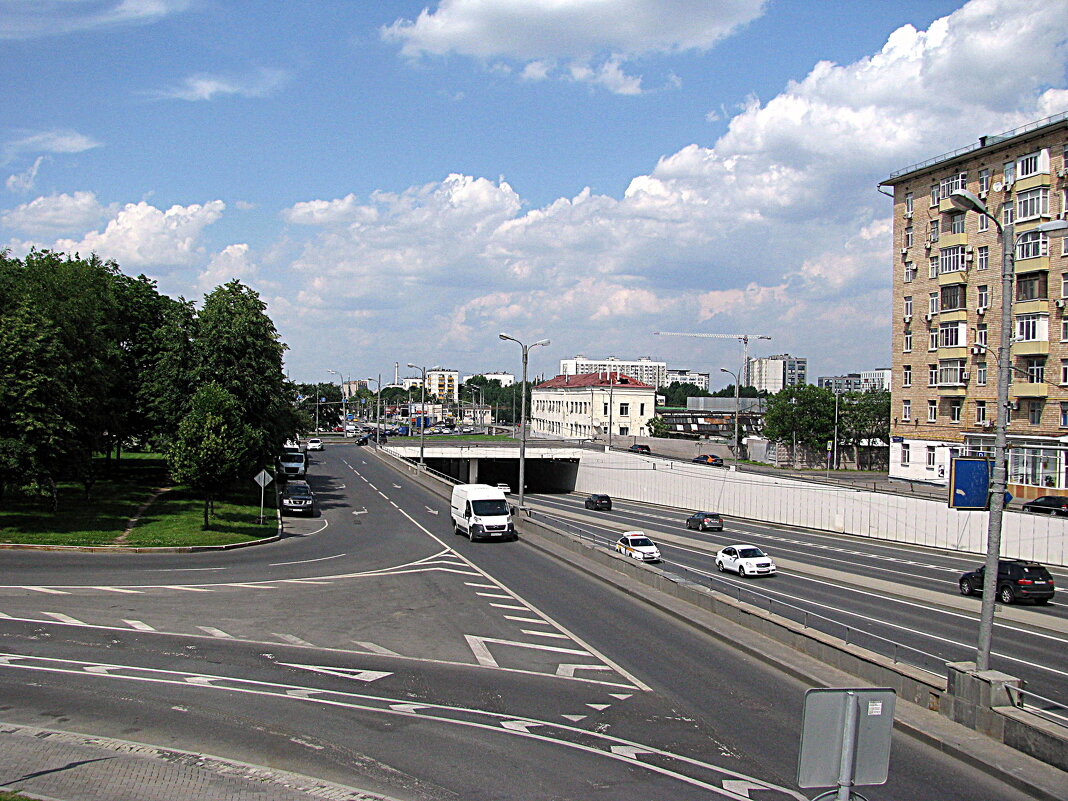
840	384
643	369
506	379
875	379
774	373
700	380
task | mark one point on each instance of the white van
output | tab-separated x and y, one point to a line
481	512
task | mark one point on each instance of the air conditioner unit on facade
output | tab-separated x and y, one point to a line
982	195
908	215
963	375
1014	405
998	186
1060	303
969	256
978	349
1062	172
981	310
928	317
986	423
904	251
908	318
968	248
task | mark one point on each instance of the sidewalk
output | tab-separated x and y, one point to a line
63	766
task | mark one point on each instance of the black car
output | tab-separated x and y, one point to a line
599	503
705	521
1018	580
1048	505
639	449
709	459
298	498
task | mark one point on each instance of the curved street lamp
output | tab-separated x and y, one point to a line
966	201
523	411
737	412
344	411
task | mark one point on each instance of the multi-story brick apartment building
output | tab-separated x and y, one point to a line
947	297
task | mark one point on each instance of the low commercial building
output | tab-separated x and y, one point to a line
591	405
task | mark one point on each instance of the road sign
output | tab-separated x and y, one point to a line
845	737
830	445
263	478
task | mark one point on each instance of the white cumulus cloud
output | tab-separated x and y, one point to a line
231	262
53	215
208	87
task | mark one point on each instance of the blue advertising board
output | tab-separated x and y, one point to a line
969	482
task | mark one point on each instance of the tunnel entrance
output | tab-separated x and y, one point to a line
542	475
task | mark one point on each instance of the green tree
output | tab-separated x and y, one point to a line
170	379
675	394
213	447
805	412
863	420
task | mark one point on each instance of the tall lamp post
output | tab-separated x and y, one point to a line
737	411
422	411
523	412
475	388
965	201
378	413
344	413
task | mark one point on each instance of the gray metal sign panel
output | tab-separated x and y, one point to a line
840	720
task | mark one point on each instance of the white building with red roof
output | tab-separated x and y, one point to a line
591	405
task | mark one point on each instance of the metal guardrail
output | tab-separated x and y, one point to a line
898	652
1036	704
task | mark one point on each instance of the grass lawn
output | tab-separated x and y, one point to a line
173	519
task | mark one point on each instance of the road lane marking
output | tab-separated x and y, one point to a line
214	632
483	586
118	589
495	595
511	606
47	590
574	718
62	618
520	619
293	640
250	585
546	634
567	670
189	589
599	707
375	649
139	625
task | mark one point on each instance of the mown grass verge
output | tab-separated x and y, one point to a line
173	519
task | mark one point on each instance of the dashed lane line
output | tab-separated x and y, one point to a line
520	619
62	618
293	640
140	625
214	632
552	634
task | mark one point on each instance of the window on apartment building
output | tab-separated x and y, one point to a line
984	179
908	237
955	406
1007	214
906	375
1036	370
932	303
980	374
980	411
932	411
606	410
1009	171
932	337
983	258
951	372
906	410
1034	412
952	184
910	272
624	410
1028	165
951	259
1032	245
957	223
1064	239
934	195
982	296
907	343
624	431
904	454
932	375
933	230
952	335
1064	415
932	272
1032	327
1032	203
982	224
908	305
980	334
908	202
954	297
1031	286
1064	371
930	457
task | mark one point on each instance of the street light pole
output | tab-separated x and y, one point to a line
422	413
378	416
737	412
344	413
523	413
965	201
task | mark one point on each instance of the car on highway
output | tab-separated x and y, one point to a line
315	444
638	546
745	560
640	449
709	459
1048	505
292	464
599	503
1018	580
705	521
298	498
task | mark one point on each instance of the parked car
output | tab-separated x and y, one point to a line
1048	505
599	503
709	459
315	444
506	489
298	498
638	546
1018	580
745	560
705	521
639	448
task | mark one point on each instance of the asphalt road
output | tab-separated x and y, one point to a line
373	647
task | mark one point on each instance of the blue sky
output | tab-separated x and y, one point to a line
401	181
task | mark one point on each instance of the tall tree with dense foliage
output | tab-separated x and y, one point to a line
864	422
803	412
213	447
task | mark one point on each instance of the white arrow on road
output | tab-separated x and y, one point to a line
345	673
396	486
520	725
628	751
360	511
742	788
432	511
409	708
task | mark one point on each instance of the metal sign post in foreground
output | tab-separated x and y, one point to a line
845	740
263	478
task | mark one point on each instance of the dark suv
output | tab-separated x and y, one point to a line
705	521
639	449
298	498
1048	505
1018	580
599	503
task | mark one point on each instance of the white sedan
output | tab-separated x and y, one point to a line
745	560
638	546
315	444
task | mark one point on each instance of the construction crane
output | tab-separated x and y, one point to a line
743	338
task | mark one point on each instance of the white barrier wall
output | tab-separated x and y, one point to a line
772	499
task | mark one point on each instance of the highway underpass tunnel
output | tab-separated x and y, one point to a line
543	475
